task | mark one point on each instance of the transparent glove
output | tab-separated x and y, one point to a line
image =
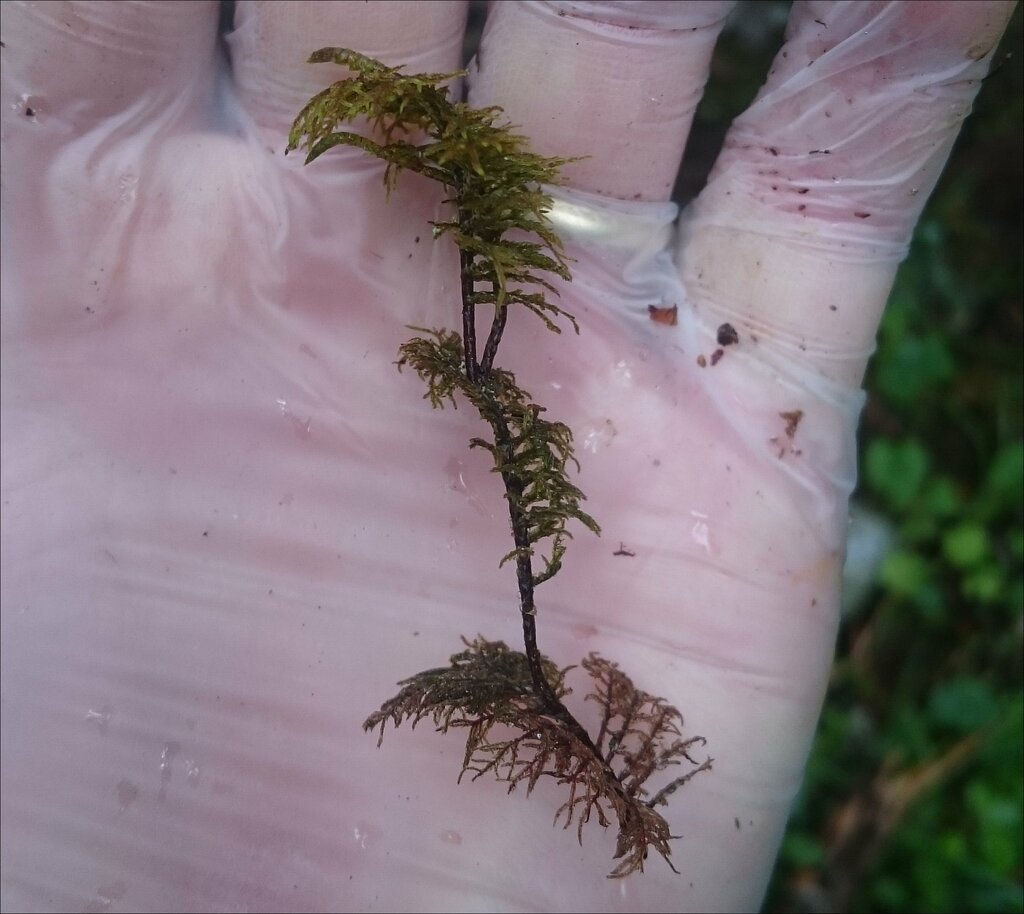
230	525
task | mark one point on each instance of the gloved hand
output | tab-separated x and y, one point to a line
230	525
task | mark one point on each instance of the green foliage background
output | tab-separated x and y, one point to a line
914	794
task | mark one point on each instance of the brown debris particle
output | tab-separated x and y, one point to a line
860	215
622	550
716	356
667	316
702	362
792	421
727	335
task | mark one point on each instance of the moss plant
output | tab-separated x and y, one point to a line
510	703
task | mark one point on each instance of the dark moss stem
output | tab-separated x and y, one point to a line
514	488
468	311
551	704
494	337
476	374
524	573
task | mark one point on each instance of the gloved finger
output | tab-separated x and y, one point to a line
272	41
796	239
617	82
68	65
92	93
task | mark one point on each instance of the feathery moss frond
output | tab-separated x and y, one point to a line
509	256
533	452
494	177
488	691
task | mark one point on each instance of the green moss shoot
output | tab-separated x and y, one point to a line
509	258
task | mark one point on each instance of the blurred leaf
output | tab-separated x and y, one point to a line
966	545
912	366
802	851
998	819
1004	483
941	497
896	470
984	585
962	704
1016	543
905	572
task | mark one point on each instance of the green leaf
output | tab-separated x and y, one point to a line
914	365
896	470
985	585
1003	488
802	851
998	819
966	545
962	704
905	572
941	497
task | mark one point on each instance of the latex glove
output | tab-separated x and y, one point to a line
229	525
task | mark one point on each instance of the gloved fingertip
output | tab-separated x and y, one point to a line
272	42
614	83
